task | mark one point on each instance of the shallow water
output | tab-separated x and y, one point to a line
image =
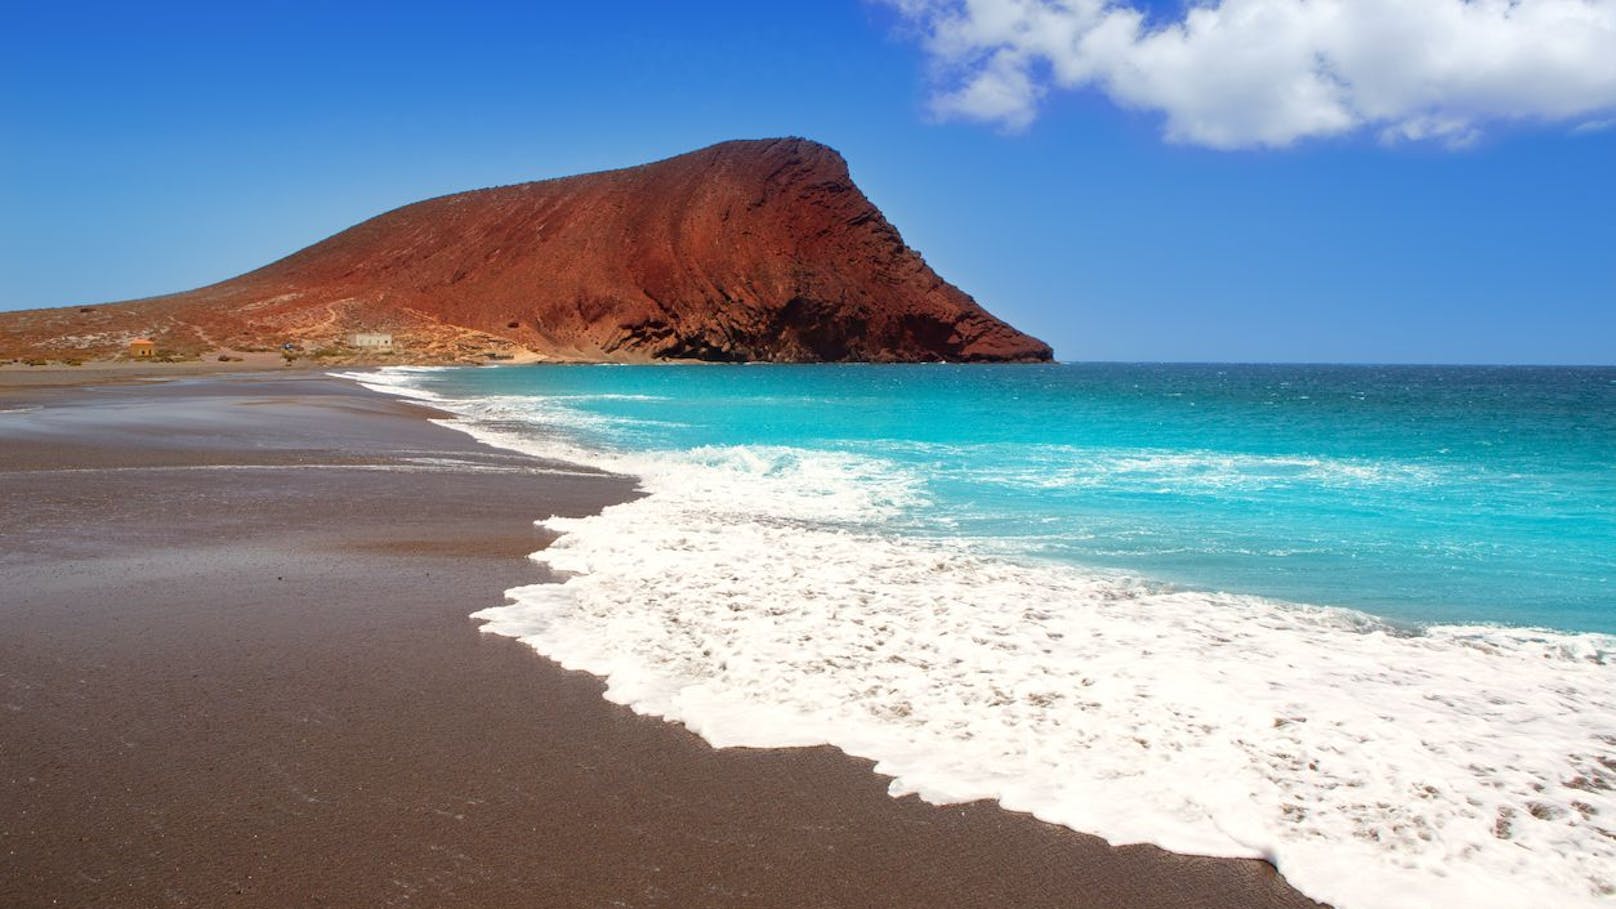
1324	615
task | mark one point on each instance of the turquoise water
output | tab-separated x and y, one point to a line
1352	620
1417	494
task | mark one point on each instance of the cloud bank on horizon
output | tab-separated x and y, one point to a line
1234	74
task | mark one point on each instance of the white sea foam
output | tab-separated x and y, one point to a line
397	380
754	597
1187	472
614	397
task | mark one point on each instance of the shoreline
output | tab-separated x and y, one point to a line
223	683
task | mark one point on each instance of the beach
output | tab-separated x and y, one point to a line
237	668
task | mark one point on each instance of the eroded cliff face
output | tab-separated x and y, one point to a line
748	250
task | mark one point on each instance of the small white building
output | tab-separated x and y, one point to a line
371	340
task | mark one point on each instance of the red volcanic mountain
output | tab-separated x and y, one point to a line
750	250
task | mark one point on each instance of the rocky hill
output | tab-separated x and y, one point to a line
747	250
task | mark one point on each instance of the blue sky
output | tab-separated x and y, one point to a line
152	148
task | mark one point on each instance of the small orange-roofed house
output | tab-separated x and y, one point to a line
142	347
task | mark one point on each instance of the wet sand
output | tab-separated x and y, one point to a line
236	669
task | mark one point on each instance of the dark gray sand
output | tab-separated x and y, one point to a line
236	669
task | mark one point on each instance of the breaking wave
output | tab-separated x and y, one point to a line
761	597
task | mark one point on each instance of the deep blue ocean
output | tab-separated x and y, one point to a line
1418	494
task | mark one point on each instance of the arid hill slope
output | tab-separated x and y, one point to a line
747	250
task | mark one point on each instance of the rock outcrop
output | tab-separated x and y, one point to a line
746	250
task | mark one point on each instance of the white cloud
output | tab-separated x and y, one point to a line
1242	73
